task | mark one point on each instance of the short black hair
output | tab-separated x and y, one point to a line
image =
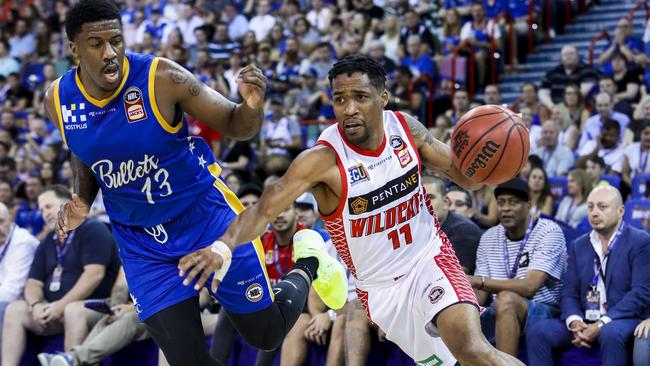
60	191
529	83
8	161
610	124
362	64
90	11
468	196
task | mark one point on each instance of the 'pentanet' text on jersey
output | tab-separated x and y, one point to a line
149	171
383	223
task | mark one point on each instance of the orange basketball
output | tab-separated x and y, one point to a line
490	144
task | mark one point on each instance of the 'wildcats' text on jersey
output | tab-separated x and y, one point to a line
383	222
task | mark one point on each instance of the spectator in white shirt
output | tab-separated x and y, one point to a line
573	208
558	159
262	23
320	16
237	23
23	42
8	64
637	155
534	131
592	127
605	146
17	247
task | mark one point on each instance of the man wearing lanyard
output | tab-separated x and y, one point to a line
62	273
520	262
606	290
17	248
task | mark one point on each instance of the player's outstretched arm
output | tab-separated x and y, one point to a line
314	169
436	155
175	85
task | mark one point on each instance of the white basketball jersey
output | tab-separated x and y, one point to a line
383	222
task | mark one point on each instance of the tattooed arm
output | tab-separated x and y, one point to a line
437	156
178	88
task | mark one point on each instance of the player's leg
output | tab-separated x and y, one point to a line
357	335
223	338
178	332
335	351
294	347
460	329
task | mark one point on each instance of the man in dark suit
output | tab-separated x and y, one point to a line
606	287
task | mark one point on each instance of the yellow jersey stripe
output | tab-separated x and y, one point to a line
236	206
103	102
57	106
152	100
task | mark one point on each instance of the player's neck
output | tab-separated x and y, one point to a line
374	141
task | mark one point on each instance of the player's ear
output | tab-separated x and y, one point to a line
73	50
384	98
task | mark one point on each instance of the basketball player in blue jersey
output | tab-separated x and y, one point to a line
121	115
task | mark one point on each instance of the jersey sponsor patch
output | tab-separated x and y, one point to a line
401	150
390	192
134	105
254	292
436	294
358	174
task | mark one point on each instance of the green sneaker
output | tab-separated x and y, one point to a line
331	283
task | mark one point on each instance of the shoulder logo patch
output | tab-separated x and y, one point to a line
134	105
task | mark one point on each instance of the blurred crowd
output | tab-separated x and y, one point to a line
589	127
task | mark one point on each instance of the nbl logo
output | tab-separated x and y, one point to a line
133	105
254	292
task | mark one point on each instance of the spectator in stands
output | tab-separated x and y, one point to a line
320	16
17	247
18	97
459	106
235	65
248	194
263	21
570	71
188	21
320	60
22	44
607	85
377	51
557	158
8	171
606	292
573	115
458	201
156	25
8	64
27	214
594	124
627	79
606	147
289	65
84	265
541	200
391	37
462	232
399	88
534	131
640	115
279	134
623	43
636	157
307	214
595	166
492	95
528	98
7	195
418	61
532	162
478	33
237	23
308	98
442	128
534	260
221	47
236	156
308	37
450	32
336	36
573	208
413	26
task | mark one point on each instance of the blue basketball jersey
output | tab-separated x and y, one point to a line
149	171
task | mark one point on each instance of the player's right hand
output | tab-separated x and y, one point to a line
71	215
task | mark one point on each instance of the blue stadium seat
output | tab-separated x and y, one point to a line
570	233
639	186
581	357
558	187
637	213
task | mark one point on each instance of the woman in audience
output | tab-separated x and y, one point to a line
390	38
541	201
637	155
572	113
484	208
573	208
626	79
442	128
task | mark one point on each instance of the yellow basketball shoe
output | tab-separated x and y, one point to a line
331	283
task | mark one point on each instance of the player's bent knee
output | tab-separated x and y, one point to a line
473	351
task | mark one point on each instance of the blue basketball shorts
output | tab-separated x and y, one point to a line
150	258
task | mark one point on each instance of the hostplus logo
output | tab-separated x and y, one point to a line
74	117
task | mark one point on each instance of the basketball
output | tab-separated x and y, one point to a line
490	144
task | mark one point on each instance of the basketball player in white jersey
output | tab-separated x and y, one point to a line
365	173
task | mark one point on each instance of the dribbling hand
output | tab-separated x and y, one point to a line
203	262
71	215
252	86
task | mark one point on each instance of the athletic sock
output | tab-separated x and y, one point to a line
309	265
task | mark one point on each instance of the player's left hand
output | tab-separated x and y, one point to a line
203	262
252	86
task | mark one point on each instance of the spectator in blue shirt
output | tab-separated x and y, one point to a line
27	214
623	42
419	62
